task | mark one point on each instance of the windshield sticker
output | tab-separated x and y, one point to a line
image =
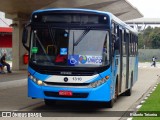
63	51
34	50
90	59
82	59
73	59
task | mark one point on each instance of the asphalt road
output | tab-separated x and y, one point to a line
13	97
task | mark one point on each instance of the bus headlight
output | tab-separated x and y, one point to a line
99	82
39	82
35	80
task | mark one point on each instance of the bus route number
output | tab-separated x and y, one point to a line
77	79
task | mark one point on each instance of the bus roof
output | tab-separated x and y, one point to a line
71	9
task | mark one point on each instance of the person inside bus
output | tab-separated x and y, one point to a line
4	63
61	58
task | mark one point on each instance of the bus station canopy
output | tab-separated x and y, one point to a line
21	9
150	21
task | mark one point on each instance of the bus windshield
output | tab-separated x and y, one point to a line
69	47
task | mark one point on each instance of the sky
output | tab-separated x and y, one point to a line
149	8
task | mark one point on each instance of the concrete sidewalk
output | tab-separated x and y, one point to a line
14	79
15	75
148	65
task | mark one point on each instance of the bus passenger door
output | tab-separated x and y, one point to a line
121	59
127	37
123	62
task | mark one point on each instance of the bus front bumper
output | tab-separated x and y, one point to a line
100	93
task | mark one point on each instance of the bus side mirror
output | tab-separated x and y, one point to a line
24	38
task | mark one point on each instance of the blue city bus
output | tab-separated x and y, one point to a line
79	55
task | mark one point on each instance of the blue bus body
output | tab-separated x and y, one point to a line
85	77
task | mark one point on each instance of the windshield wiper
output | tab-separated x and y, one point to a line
81	37
52	35
37	38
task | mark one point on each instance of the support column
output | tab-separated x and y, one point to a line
17	48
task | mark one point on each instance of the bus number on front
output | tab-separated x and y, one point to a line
77	79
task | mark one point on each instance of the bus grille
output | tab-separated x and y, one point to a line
75	95
75	73
67	84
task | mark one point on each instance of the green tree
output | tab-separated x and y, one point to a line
140	41
155	40
150	37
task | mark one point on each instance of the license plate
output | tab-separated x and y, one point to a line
65	93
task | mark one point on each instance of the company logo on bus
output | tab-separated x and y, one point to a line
65	73
65	79
82	59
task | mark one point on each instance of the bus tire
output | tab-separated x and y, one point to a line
49	102
128	92
110	103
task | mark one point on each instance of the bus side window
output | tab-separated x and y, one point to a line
114	36
117	39
104	53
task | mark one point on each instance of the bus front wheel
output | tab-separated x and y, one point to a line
111	102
